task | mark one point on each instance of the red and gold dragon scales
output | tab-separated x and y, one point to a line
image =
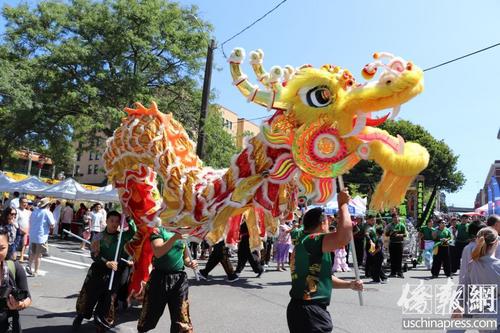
321	128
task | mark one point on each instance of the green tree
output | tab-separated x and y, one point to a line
80	62
220	146
441	173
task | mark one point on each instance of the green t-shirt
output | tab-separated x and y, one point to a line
443	234
462	233
173	260
108	242
311	270
396	229
296	234
427	232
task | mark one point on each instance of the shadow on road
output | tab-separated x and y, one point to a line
241	283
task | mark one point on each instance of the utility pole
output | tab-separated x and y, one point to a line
204	99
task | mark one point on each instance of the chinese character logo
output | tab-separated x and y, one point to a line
416	299
482	299
449	298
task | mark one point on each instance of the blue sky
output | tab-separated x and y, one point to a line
461	101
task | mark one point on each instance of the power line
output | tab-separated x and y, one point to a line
249	26
462	57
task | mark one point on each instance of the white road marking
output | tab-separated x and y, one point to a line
62	263
68	261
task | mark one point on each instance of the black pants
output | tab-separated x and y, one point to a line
162	289
442	258
377	272
368	263
267	251
311	318
396	254
220	254
245	255
359	245
95	293
456	256
193	246
14	319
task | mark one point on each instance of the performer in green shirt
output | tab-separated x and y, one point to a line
397	233
442	237
168	283
426	234
461	240
311	267
94	292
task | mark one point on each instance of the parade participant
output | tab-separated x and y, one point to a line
359	233
23	220
441	251
484	269
426	234
311	269
397	233
378	274
283	245
370	239
168	283
244	253
461	240
94	292
12	275
9	222
220	254
41	224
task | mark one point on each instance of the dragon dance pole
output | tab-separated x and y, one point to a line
76	236
191	259
117	251
353	249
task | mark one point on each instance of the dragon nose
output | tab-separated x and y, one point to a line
397	65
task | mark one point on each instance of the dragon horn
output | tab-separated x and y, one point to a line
268	99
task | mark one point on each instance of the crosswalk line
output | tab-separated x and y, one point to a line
69	261
62	263
83	254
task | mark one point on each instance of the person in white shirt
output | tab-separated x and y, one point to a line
57	217
103	216
23	220
96	220
14	202
67	218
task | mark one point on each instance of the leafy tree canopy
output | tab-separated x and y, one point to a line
69	68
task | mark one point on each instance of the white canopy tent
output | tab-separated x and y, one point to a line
106	194
357	206
66	189
5	182
30	185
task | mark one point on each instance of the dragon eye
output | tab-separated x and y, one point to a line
316	97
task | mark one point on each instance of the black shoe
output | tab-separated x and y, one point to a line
232	278
401	276
77	322
392	275
202	275
259	274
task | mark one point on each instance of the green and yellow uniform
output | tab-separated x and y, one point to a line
427	232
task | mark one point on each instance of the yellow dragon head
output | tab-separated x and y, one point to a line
324	116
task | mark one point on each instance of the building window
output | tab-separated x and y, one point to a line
89	170
96	167
77	170
78	156
91	156
97	155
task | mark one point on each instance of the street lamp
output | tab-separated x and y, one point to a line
205	93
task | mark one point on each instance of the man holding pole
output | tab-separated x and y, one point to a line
168	283
311	266
106	249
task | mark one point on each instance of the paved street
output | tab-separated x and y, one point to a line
248	305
